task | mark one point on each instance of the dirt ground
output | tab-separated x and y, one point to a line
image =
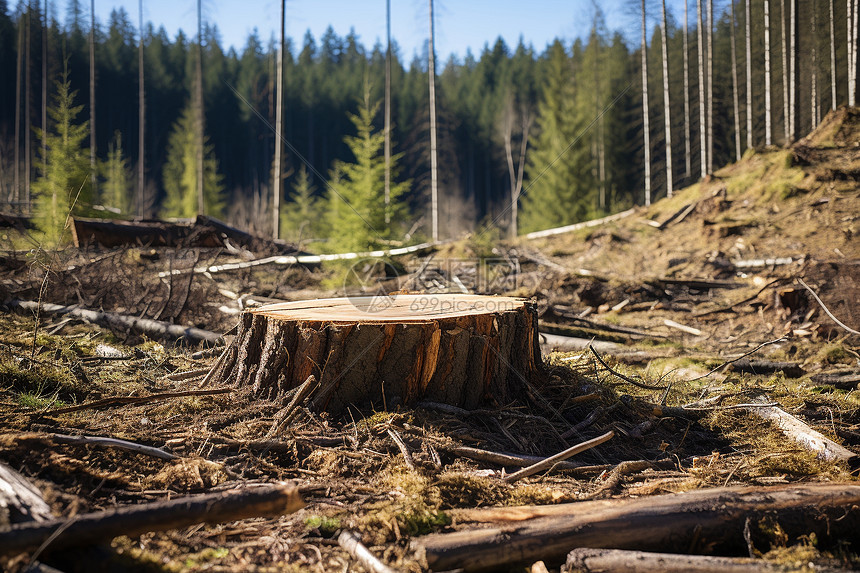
720	296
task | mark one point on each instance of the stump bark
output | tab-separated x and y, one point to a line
457	349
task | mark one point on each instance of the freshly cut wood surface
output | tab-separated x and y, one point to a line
388	349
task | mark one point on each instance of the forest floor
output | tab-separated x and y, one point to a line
704	299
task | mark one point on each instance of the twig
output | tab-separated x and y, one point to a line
730	308
111	443
504	459
285	416
822	305
548	462
351	543
407	457
726	363
187	374
622	376
136	400
682	327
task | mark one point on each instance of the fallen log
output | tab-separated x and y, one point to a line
579	226
454	349
97	441
585	560
806	437
122	322
135	520
711	519
20	500
790	369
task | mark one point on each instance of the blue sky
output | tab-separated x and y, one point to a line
460	25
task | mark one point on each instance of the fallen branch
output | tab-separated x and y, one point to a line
578	226
285	416
136	400
407	457
790	369
351	542
622	376
516	460
809	439
710	519
561	456
20	500
682	327
159	516
585	560
741	357
103	442
149	327
824	307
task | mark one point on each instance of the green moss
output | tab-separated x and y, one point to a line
327	526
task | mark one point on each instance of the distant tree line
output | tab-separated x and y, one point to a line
526	139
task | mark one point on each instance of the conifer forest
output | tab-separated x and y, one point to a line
568	130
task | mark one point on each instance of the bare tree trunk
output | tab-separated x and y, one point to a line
388	113
645	119
141	115
710	86
277	182
785	72
767	119
792	64
666	106
201	208
735	83
434	189
16	196
703	135
45	81
749	76
93	170
814	78
832	59
687	160
27	96
852	89
516	173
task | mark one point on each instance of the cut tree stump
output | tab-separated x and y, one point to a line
457	349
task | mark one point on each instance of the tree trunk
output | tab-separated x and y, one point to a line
738	151
703	135
814	73
16	196
710	86
666	106
749	76
376	350
388	112
792	79
277	180
201	205
141	107
646	129
832	59
852	89
44	123
93	168
703	520
434	182
687	159
767	118
27	95
785	72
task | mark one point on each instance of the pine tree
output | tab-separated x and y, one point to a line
301	215
180	172
356	194
116	190
63	185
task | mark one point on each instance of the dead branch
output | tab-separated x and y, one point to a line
585	560
20	500
117	400
710	518
578	226
733	360
285	416
149	327
407	457
622	376
351	542
103	442
505	459
682	327
134	520
806	437
825	309
561	456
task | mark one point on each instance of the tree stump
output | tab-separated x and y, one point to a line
456	349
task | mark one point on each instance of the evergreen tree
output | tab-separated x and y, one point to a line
301	215
116	189
356	198
63	186
180	172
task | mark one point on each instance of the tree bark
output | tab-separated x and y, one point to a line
767	119
704	520
703	130
619	561
832	58
814	73
792	79
454	349
735	102
667	114
646	129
